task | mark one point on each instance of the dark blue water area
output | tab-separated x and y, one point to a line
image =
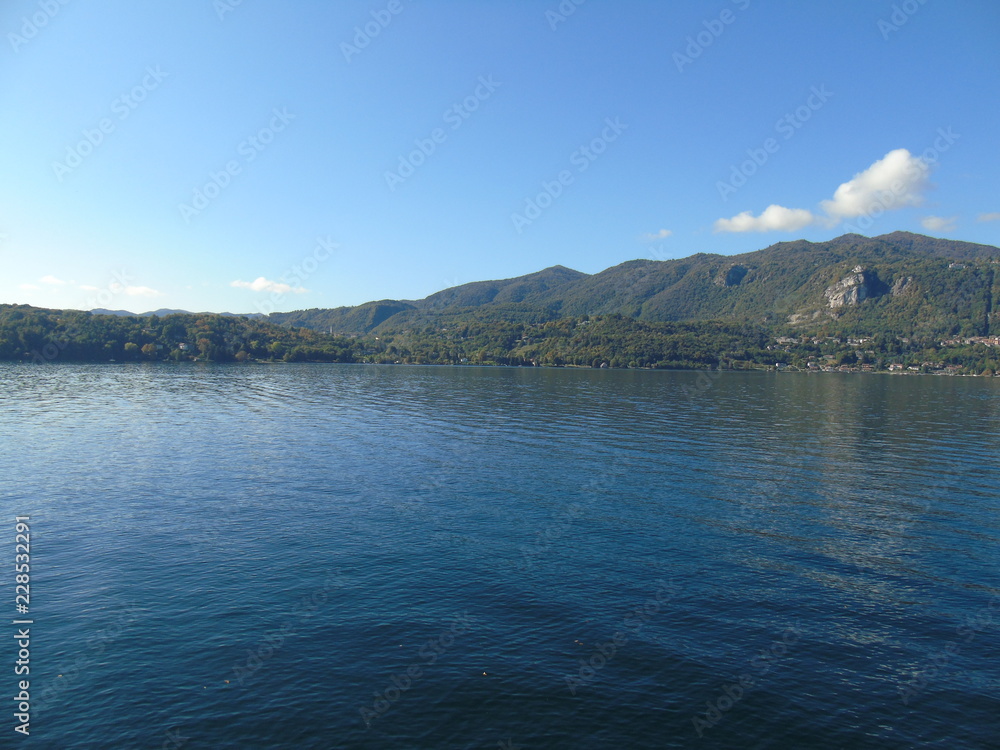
336	556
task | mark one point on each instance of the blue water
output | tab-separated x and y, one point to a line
255	556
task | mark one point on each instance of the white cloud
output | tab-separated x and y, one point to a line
260	284
89	288
52	280
995	216
653	236
896	180
774	218
142	291
938	223
29	287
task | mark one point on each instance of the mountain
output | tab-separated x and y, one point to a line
370	315
897	302
165	311
349	320
538	286
908	283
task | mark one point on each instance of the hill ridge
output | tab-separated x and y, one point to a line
947	285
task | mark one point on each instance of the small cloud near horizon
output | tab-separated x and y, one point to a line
52	281
261	284
29	287
142	291
654	236
896	180
938	223
995	216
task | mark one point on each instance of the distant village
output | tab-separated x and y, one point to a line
869	360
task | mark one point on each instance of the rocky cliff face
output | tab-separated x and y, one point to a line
860	284
902	285
732	276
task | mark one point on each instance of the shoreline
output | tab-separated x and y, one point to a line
761	369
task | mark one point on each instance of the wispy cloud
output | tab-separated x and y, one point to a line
896	180
142	291
52	281
995	216
938	223
29	287
654	236
261	284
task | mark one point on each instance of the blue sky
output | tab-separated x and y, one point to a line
258	155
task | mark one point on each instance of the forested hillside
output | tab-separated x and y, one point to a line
911	285
897	302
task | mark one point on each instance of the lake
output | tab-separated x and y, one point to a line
349	556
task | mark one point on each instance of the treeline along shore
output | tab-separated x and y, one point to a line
42	336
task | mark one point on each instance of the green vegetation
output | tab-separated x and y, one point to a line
923	287
898	302
612	341
473	336
39	335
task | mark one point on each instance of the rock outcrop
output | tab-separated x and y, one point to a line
860	284
733	276
902	285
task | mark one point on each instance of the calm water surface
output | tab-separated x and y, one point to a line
325	556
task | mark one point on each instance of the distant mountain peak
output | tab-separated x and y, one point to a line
163	311
899	234
562	269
